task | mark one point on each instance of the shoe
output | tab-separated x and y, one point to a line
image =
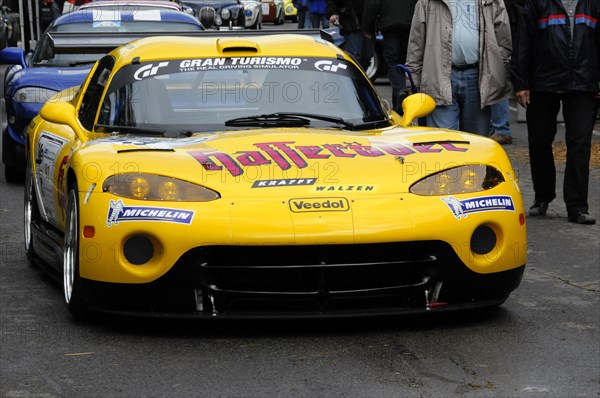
538	209
582	217
502	139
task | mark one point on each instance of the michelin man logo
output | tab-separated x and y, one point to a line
455	206
115	208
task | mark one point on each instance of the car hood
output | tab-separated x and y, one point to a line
54	78
321	160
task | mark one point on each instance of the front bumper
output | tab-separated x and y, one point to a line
309	281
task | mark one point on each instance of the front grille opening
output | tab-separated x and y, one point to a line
282	256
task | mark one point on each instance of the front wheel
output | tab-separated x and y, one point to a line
31	214
14	29
12	174
71	278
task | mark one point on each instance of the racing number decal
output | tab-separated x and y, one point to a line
60	183
48	149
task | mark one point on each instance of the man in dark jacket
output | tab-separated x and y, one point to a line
394	17
557	60
348	14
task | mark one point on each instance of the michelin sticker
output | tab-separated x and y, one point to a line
461	208
118	212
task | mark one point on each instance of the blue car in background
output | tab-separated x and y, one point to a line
63	57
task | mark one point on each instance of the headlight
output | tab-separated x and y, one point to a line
33	94
225	13
218	20
154	187
463	179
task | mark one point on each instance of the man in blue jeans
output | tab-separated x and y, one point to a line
501	123
471	74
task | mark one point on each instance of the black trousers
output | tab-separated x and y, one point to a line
542	112
395	44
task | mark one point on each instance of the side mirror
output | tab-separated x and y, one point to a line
416	106
63	113
13	56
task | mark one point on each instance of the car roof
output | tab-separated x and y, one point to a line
205	45
95	15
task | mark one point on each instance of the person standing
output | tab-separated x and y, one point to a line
459	53
393	18
501	132
318	13
348	15
558	62
302	14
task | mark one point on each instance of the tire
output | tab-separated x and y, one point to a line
13	175
71	279
14	29
31	214
4	39
375	67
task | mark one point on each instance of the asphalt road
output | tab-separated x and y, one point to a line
543	342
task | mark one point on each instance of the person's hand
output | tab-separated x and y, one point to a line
334	19
523	98
368	35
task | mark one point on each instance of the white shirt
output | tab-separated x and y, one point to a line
465	31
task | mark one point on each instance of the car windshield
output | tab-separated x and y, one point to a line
239	92
45	54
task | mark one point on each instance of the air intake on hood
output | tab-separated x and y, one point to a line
236	45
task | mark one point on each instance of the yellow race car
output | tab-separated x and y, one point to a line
242	176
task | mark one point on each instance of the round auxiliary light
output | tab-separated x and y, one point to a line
140	187
470	180
168	190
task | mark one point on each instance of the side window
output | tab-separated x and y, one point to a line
93	93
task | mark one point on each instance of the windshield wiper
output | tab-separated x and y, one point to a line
295	119
270	120
333	119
